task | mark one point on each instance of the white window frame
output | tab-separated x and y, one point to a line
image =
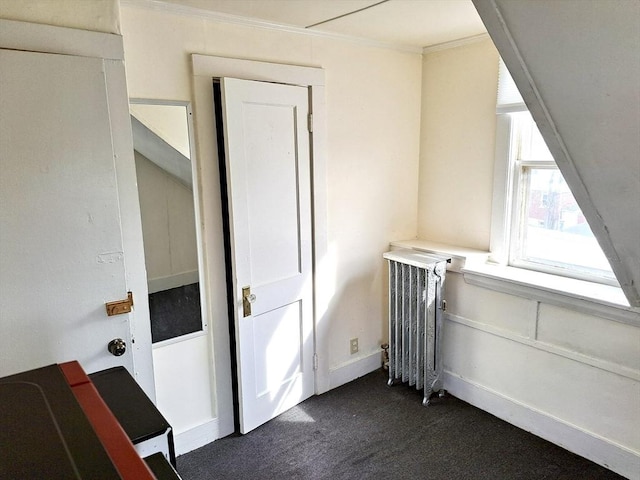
508	205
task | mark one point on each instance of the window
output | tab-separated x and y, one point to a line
537	223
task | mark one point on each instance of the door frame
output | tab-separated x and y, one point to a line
32	37
205	69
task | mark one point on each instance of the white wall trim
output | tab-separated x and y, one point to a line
353	369
196	437
204	65
455	43
586	444
605	365
587	297
160	284
503	189
175	9
130	219
41	38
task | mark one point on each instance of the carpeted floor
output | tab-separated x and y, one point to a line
366	430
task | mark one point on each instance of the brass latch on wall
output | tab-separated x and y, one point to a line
247	299
120	306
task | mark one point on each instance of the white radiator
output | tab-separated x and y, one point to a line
416	280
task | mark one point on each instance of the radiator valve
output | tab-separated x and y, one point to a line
385	356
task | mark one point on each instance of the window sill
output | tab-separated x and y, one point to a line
587	297
460	256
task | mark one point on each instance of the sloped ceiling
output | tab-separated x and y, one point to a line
160	152
577	66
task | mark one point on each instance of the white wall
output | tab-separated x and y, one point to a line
373	109
94	15
569	376
457	144
168	224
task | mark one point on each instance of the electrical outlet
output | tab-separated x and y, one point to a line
354	345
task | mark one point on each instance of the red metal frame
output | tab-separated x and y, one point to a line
114	439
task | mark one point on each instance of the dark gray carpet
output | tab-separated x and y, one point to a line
367	430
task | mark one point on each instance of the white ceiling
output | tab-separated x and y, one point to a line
414	23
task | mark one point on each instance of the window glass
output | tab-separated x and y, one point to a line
549	230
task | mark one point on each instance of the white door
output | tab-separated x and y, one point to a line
268	176
61	239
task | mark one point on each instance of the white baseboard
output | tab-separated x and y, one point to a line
597	449
353	369
196	437
172	281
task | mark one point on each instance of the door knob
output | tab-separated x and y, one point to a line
117	347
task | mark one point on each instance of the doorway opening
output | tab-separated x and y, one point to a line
224	200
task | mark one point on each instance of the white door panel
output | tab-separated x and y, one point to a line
281	331
274	240
268	174
61	247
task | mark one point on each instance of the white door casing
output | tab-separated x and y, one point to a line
70	235
268	177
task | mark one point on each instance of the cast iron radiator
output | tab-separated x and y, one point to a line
416	280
